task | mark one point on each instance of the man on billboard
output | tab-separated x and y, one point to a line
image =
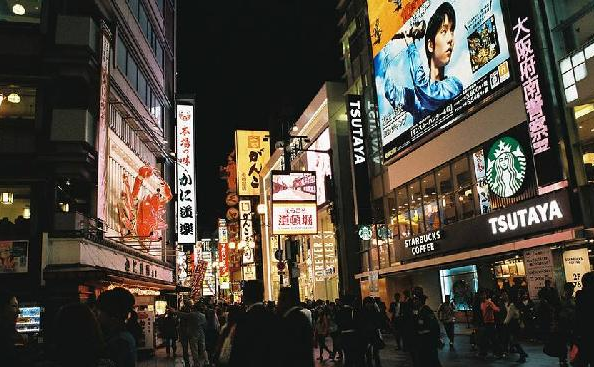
430	91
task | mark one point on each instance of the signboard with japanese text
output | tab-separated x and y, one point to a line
540	109
208	286
101	142
435	62
198	279
576	263
185	180
294	186
246	222
252	153
181	268
294	218
223	233
538	263
14	256
318	160
223	259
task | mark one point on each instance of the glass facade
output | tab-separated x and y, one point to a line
15	212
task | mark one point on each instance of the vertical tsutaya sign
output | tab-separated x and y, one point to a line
185	180
252	153
537	101
358	132
538	263
101	140
576	263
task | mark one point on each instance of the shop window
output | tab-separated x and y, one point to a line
464	192
509	274
482	186
374	258
393	227
17	102
15	11
403	212
365	261
378	211
383	255
445	191
15	212
430	207
460	284
417	222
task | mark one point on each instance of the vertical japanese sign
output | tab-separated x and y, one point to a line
208	286
538	263
198	279
358	131
101	139
253	151
223	233
537	98
224	266
185	180
245	220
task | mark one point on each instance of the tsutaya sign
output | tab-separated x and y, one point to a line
357	127
530	217
526	217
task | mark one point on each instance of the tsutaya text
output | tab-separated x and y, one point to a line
526	217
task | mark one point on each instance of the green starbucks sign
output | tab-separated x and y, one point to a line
506	167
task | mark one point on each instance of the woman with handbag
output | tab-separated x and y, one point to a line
513	325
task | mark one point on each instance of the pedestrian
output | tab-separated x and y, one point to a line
513	325
395	320
352	341
77	340
9	337
113	309
426	332
489	339
334	332
212	330
184	334
406	321
370	325
296	334
255	333
446	315
584	320
527	314
227	336
194	321
322	329
134	327
566	320
169	325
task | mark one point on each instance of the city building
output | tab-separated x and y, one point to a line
318	147
477	180
87	100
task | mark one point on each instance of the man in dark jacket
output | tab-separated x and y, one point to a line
584	320
9	311
253	345
349	323
296	337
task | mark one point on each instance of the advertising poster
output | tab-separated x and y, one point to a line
294	218
208	286
252	153
294	186
539	267
14	256
434	61
185	180
319	162
146	319
576	263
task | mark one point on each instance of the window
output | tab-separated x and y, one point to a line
393	226
121	54
132	72
133	4
445	191
17	102
143	21
159	55
365	261
403	213
14	11
430	206
383	255
15	212
142	88
374	258
464	195
417	221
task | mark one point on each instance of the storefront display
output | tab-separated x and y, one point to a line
509	273
460	283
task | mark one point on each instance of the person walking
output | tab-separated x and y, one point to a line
334	332
489	339
584	320
296	332
212	330
195	322
395	320
426	333
9	337
370	324
353	347
134	327
445	313
169	325
566	320
512	323
322	328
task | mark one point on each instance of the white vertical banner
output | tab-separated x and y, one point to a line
576	263
185	180
101	138
538	263
245	221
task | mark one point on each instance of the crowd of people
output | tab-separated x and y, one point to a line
289	332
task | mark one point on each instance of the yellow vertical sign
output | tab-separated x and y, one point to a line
252	149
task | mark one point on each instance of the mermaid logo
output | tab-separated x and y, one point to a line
506	167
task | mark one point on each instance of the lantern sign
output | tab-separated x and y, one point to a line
185	179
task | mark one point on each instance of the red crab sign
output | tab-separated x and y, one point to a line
141	213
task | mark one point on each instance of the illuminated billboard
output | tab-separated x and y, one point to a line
185	176
319	162
435	62
252	153
294	186
294	218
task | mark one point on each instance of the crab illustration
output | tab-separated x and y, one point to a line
142	215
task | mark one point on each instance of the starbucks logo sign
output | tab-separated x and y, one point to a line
506	167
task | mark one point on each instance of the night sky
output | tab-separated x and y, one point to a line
253	64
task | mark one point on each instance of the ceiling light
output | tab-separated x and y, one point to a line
7	198
18	9
27	212
14	98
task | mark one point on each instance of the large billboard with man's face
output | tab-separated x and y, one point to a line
435	61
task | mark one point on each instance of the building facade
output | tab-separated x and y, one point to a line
477	180
87	101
